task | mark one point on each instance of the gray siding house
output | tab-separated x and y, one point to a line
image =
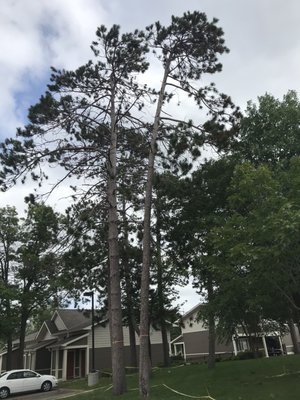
63	346
192	344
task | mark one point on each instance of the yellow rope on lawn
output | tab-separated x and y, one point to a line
180	393
284	374
188	395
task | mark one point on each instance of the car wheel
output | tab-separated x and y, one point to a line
46	386
4	393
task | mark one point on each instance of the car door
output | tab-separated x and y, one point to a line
31	381
15	381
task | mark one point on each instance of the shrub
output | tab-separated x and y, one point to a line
247	355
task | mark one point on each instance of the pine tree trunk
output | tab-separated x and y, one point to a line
145	367
9	353
9	339
211	342
160	289
294	337
211	328
132	342
115	312
20	360
132	326
252	344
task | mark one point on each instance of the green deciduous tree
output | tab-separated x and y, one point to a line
38	271
270	130
200	205
251	261
9	236
30	271
256	248
188	48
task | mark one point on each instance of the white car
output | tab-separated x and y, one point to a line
24	380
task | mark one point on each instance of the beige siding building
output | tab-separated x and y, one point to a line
63	346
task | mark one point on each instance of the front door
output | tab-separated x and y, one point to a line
70	364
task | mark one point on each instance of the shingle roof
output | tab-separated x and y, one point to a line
193	309
39	345
28	338
51	326
75	318
66	340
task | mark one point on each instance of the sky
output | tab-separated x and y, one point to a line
262	35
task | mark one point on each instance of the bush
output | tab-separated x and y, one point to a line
177	359
247	355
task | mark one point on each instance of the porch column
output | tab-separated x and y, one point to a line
280	344
184	353
64	365
265	346
33	360
56	366
87	360
234	345
175	349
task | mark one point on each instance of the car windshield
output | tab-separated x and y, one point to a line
3	373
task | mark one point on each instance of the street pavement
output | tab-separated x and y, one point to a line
54	394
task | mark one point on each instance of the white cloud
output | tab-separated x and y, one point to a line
75	24
263	37
36	34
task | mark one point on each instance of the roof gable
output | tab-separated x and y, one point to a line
194	310
70	319
58	321
46	331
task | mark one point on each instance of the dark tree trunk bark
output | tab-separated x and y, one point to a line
150	349
9	339
132	326
132	341
294	336
115	312
9	353
24	317
211	329
211	342
160	288
145	366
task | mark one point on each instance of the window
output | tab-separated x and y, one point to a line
242	344
16	375
30	374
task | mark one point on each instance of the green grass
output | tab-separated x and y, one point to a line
274	378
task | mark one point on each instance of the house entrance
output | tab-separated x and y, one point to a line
70	365
273	345
76	363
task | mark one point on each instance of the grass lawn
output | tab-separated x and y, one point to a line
274	378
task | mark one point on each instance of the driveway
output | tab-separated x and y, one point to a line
54	394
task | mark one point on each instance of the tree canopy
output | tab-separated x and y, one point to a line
148	210
91	122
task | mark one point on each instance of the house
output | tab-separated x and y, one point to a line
192	344
63	346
